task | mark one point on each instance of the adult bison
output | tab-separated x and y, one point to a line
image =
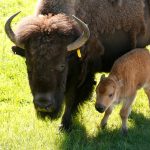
48	40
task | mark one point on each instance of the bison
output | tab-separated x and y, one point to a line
49	38
129	73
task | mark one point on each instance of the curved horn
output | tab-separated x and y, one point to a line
83	38
11	35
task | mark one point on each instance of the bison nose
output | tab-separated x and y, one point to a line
43	103
100	108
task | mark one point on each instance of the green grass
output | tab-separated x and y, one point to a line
20	128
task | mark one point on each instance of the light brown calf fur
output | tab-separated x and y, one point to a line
128	74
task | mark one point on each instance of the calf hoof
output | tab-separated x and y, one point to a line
103	125
125	131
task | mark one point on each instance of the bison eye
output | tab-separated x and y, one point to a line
60	67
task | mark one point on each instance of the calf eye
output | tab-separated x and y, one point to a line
110	95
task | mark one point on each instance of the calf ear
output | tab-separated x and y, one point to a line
120	83
102	77
19	51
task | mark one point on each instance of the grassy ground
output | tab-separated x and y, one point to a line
20	128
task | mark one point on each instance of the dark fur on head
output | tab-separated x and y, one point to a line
45	38
49	24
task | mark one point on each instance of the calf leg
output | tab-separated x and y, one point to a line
106	116
124	113
147	91
74	97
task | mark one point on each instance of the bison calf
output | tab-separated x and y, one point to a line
128	74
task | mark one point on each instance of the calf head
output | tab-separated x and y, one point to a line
45	41
107	93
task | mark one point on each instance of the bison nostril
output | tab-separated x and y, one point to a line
41	108
49	107
44	102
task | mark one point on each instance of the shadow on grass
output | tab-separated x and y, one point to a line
138	137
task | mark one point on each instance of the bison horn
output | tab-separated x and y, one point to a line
10	32
83	38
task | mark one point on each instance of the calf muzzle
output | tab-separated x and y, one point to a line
100	108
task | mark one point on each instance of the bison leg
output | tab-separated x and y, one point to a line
133	39
66	119
124	113
147	91
76	97
106	116
70	109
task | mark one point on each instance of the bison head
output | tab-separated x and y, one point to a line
45	42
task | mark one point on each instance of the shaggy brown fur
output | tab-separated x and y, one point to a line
129	17
55	7
50	24
128	74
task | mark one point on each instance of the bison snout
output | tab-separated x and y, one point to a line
43	103
100	108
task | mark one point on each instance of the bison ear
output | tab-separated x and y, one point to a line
19	51
102	77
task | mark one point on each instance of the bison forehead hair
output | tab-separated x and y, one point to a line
35	25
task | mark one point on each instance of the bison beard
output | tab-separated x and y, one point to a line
115	29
